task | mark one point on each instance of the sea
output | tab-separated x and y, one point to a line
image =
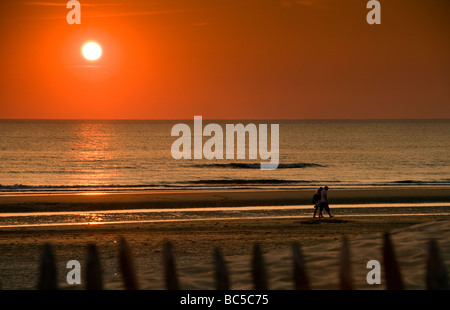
64	156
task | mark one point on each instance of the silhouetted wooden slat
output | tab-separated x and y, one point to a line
169	268
258	269
47	270
222	279
94	279
391	269
301	281
436	275
126	266
345	269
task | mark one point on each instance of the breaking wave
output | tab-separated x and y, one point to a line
258	165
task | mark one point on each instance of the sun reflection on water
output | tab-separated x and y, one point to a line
91	155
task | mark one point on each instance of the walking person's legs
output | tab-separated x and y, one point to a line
327	208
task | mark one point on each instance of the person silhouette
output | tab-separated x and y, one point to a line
324	201
316	202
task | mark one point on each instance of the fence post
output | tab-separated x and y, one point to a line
391	269
93	269
345	269
301	281
436	275
222	279
127	267
47	270
258	268
169	267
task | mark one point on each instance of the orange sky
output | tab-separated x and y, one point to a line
226	59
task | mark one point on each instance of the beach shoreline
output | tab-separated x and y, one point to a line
199	199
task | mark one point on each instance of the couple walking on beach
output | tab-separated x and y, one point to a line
320	201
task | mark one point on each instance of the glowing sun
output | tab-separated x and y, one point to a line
92	51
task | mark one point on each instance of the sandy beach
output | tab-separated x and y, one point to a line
195	241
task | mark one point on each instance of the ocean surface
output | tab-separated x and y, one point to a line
50	156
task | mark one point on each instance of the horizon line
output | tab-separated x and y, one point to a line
224	119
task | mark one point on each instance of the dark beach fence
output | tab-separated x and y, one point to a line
436	275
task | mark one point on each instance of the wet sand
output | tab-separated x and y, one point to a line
199	199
